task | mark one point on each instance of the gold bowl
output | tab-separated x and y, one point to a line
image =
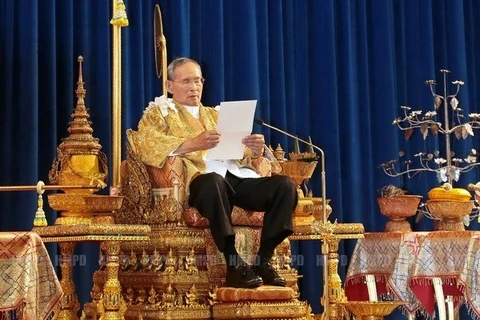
298	170
449	209
103	204
399	206
67	202
304	207
450	213
398	209
317	209
371	309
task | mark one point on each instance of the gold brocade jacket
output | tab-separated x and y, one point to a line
162	130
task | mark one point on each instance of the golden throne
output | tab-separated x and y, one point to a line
179	273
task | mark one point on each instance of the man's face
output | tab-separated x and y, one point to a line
187	85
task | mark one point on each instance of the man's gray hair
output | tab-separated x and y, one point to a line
178	62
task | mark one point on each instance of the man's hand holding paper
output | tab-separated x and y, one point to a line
235	122
255	142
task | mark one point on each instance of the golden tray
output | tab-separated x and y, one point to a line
67	202
102	203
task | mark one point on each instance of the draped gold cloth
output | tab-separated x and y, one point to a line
29	288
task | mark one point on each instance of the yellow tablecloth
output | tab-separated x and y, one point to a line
29	287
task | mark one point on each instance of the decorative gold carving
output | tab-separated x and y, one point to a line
336	293
191	296
279	153
69	305
152	296
167	208
137	190
168	297
198	312
72	204
191	263
102	204
114	305
261	310
170	263
135	232
287	260
157	263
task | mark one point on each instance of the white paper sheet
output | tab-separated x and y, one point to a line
235	122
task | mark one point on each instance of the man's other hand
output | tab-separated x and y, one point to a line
255	142
208	139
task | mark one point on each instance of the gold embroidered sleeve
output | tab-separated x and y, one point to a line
153	142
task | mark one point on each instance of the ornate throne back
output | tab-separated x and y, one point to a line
180	266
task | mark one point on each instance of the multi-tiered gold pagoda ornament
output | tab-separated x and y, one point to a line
79	162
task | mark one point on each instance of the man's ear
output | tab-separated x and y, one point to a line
169	85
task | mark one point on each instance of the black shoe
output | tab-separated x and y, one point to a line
242	277
269	275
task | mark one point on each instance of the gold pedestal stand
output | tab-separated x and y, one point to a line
310	222
110	304
330	235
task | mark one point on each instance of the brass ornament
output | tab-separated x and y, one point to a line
79	160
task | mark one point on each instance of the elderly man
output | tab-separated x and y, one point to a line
183	127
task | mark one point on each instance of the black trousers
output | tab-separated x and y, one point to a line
214	197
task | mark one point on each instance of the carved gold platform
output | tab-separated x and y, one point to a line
330	234
109	302
265	302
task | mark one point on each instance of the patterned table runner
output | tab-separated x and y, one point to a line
29	287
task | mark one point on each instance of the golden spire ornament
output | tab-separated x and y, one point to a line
79	160
119	15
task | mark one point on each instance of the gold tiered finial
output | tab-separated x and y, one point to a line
79	154
279	153
80	140
120	15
